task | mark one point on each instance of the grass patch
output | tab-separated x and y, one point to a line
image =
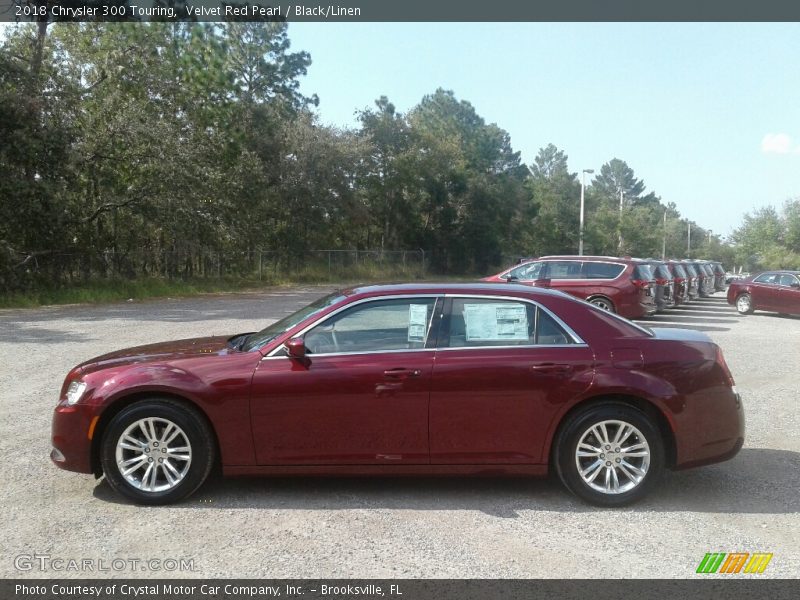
116	290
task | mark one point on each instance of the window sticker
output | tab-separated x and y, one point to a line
417	322
495	322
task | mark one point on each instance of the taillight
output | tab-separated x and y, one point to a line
679	280
721	362
641	283
662	281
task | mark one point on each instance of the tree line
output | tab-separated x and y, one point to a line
133	143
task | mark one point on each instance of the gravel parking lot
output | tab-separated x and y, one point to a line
390	527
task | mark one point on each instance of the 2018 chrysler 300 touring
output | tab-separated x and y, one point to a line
449	379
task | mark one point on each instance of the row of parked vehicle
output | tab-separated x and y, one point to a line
631	287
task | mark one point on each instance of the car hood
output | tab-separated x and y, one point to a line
161	352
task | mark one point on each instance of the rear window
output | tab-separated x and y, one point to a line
679	271
643	272
662	272
599	270
691	270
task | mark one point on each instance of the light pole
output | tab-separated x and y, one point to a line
664	242
688	239
580	230
621	204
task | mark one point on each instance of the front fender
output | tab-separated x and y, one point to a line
219	388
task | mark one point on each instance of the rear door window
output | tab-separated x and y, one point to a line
484	322
599	270
564	269
787	279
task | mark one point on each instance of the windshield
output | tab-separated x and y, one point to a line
270	332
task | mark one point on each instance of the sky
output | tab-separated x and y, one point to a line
708	115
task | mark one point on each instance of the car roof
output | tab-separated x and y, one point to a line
787	271
493	289
590	258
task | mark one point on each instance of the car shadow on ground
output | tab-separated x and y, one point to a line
756	481
12	332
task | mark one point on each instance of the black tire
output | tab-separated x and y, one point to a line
744	304
193	428
578	425
604	303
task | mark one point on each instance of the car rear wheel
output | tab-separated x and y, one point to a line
157	452
604	303
744	304
609	454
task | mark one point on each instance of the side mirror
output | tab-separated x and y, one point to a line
796	286
296	348
510	278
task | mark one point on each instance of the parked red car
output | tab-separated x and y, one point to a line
622	285
468	379
775	291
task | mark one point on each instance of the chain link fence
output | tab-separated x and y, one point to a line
65	268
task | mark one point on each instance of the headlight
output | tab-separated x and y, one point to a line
75	391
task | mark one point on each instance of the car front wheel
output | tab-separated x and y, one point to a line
744	304
157	452
609	454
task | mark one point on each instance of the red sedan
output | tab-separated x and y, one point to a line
775	291
450	379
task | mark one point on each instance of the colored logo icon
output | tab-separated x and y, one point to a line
734	562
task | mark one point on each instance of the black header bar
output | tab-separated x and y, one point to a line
402	10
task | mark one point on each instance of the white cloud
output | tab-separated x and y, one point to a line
778	143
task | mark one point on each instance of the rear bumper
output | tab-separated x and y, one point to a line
710	428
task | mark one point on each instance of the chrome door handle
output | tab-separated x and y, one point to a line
551	368
402	373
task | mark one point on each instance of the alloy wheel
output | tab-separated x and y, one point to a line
153	454
612	457
743	303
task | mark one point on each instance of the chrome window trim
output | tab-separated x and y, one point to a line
521	346
349	305
602	262
577	341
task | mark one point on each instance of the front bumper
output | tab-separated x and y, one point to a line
72	447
